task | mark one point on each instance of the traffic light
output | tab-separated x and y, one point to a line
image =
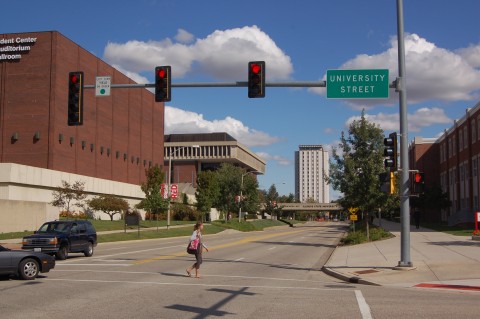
256	79
390	152
419	183
384	179
163	83
387	182
75	98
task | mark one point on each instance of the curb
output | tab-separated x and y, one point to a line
346	278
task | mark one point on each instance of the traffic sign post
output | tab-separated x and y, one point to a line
102	85
357	84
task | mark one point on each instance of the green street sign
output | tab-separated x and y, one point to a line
357	84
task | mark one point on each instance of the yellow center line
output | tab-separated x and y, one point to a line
227	245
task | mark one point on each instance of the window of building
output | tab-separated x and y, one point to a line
454	146
473	127
460	140
450	148
465	136
478	128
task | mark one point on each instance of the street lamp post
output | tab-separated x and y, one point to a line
240	200
170	178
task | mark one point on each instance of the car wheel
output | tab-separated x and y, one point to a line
28	269
89	251
62	253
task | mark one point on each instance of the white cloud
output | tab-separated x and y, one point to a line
222	54
277	158
423	117
328	130
184	36
432	73
132	75
181	121
471	55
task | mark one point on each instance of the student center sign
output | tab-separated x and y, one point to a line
13	48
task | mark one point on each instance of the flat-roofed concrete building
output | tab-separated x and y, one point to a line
311	165
193	153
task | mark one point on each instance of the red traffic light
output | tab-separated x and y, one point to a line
74	78
255	68
163	83
256	79
161	73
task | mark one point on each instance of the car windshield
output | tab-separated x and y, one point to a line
3	248
54	228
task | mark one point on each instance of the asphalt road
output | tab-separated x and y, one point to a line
270	274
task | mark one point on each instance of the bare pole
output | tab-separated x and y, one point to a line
404	181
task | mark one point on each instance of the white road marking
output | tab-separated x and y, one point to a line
190	284
272	248
160	274
239	259
362	304
64	264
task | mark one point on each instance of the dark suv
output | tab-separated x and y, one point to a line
62	237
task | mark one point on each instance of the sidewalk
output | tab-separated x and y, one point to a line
439	260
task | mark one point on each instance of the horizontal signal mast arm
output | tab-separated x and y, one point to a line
227	84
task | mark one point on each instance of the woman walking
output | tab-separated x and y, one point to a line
197	234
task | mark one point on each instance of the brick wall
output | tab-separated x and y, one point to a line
34	99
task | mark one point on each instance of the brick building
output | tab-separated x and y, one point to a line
121	135
452	161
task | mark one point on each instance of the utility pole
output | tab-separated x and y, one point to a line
405	182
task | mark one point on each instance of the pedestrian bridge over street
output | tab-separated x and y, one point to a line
317	207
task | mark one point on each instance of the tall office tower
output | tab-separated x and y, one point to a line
311	165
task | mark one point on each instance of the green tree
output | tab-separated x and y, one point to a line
109	204
355	167
153	201
207	191
272	205
229	180
290	198
65	194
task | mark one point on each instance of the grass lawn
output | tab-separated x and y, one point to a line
453	230
255	225
15	235
105	225
162	233
213	228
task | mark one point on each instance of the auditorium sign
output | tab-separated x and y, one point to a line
13	48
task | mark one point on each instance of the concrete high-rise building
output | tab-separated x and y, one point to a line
311	166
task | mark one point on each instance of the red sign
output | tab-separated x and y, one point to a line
174	190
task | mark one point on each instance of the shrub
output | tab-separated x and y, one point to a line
73	215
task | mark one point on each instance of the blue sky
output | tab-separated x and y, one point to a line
299	40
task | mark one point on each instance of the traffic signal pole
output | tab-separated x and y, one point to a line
221	84
405	260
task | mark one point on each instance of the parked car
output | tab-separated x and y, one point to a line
24	264
60	238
